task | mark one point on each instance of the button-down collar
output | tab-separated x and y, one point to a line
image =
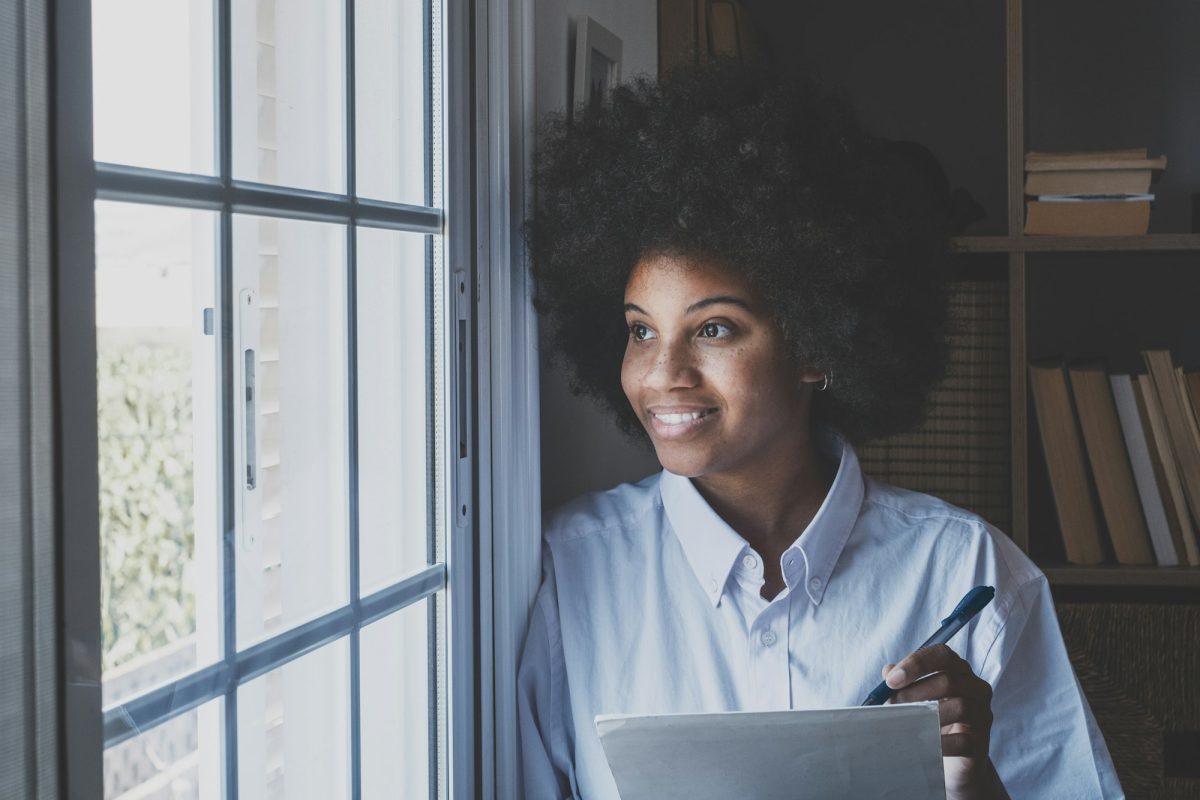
713	548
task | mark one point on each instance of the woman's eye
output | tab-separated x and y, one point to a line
714	330
640	332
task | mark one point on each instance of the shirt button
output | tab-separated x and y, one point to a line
712	585
815	583
768	638
749	561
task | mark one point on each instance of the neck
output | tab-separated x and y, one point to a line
770	502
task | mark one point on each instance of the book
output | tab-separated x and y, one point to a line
1137	444
1193	381
1105	218
1087	181
1189	414
1163	461
1098	160
1179	429
1040	156
1063	449
1113	476
1093	198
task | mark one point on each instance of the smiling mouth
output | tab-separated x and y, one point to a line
670	425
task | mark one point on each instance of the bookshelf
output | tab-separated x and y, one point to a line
1031	529
980	85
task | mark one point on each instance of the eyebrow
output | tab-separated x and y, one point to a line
699	304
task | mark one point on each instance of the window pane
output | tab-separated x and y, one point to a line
177	760
395	670
290	369
393	444
156	422
293	729
390	80
288	78
152	75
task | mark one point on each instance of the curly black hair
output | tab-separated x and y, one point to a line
844	233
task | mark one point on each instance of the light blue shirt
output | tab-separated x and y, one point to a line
650	602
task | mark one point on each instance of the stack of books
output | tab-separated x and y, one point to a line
1123	454
1102	193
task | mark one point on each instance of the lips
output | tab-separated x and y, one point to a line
675	423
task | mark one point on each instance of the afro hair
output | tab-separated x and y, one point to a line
845	234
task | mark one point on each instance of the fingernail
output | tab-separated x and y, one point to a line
897	678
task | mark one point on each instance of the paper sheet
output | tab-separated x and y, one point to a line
888	751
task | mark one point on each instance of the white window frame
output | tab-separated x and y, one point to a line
77	184
509	429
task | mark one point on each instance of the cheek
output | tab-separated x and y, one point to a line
757	385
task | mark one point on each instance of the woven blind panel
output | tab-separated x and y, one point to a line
960	452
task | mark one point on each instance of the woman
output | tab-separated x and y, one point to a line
780	275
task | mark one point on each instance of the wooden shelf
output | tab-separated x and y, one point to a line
1185	577
1077	244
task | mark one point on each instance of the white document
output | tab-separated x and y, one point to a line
888	751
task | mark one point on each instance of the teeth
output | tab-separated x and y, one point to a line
675	419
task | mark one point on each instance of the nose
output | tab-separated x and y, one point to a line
673	367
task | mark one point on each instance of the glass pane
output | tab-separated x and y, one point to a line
152	75
290	387
396	673
393	394
288	79
293	729
390	80
156	420
177	760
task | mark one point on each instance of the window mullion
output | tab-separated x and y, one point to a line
224	138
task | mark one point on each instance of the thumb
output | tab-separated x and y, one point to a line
887	668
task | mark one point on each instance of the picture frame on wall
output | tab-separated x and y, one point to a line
597	64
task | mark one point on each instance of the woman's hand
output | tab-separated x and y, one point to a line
965	711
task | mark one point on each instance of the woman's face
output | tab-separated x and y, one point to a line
707	370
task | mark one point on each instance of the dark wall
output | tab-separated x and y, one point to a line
930	72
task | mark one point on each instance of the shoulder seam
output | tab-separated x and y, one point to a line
964	517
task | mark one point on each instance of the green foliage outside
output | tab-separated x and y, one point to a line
146	530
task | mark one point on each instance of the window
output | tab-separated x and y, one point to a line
283	386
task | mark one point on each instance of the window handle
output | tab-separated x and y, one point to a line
251	446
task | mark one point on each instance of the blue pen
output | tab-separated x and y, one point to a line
967	608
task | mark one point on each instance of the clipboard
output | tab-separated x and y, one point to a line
862	752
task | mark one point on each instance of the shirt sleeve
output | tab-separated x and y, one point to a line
542	704
1045	741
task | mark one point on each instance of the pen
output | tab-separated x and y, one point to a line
968	607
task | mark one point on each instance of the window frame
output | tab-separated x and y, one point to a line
78	183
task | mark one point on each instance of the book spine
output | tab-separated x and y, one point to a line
1063	451
1143	471
1163	395
1110	466
1169	490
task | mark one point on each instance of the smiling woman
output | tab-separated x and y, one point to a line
782	276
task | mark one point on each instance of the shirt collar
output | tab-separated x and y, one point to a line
712	547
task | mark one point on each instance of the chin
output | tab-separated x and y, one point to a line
688	462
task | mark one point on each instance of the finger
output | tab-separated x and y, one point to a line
887	668
937	658
963	744
942	685
957	711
